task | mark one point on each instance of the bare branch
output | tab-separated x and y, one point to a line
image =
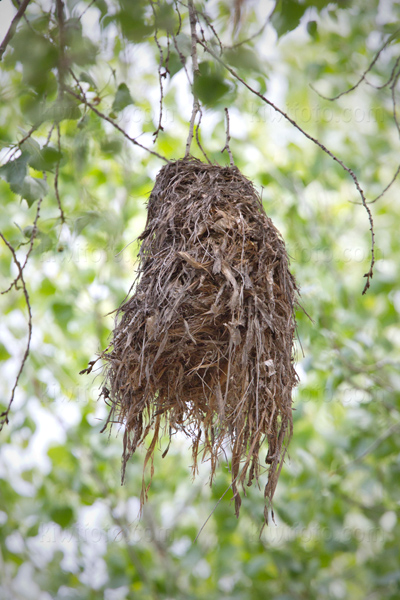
56	190
4	414
11	30
363	76
198	138
161	74
369	274
62	62
228	138
257	33
32	239
84	100
86	9
387	187
195	69
394	427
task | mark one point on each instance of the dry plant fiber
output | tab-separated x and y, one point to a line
204	345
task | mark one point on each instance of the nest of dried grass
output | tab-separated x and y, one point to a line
205	343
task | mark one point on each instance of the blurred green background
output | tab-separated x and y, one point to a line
67	528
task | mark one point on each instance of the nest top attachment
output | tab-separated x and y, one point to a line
204	345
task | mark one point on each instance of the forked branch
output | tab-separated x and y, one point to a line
369	274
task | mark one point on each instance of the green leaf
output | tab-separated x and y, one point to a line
88	79
62	110
4	353
63	313
32	189
166	18
174	64
209	86
132	21
45	159
62	515
122	98
111	146
312	29
91	217
14	171
243	58
184	44
288	16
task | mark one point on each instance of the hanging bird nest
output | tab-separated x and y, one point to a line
205	343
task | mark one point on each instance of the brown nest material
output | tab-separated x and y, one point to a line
205	343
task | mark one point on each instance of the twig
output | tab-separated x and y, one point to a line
387	187
56	190
228	138
32	239
212	28
393	90
198	138
86	9
363	76
179	17
215	508
182	58
369	274
62	64
392	74
14	149
113	123
195	69
161	74
4	414
257	33
11	30
370	448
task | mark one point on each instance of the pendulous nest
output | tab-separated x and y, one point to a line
205	343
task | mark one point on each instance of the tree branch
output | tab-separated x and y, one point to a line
113	123
62	63
363	76
228	139
11	31
4	414
369	274
195	69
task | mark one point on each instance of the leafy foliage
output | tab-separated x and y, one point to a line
67	529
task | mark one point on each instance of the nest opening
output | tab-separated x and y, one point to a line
204	344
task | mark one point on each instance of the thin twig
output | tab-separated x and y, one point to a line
113	123
215	508
161	74
195	69
56	190
389	81
363	76
62	61
11	30
257	33
86	9
394	427
4	414
14	149
228	139
387	187
182	58
212	28
198	137
393	90
369	274
32	239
